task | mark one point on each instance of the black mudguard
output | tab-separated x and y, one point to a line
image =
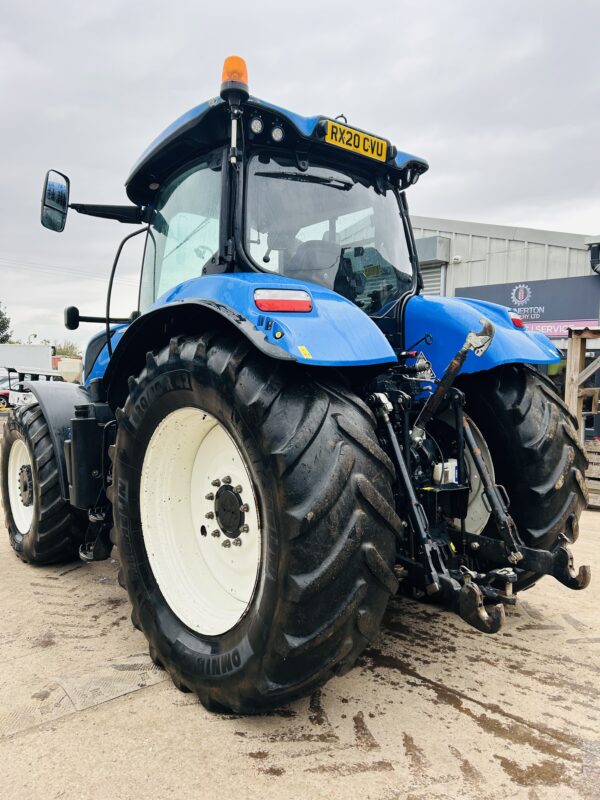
57	401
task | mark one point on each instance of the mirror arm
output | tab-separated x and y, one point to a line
115	320
129	214
73	318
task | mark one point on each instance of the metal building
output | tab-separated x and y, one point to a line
544	275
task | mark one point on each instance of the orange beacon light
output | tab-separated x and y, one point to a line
235	79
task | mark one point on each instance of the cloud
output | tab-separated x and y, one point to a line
501	98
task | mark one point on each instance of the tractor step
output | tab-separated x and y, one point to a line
97	545
93	551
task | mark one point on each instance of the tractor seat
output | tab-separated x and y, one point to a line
315	261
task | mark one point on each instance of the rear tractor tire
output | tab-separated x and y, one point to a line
255	522
536	454
42	527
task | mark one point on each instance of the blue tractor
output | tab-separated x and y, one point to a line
286	432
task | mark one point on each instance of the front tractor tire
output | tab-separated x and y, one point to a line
255	522
536	454
42	527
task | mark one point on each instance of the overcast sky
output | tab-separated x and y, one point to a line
501	97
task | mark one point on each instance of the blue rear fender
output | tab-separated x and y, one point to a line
449	319
335	333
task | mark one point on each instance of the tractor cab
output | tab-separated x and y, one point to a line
268	191
240	185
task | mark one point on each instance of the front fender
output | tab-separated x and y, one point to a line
449	320
57	401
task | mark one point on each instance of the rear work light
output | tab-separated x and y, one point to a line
516	320
282	300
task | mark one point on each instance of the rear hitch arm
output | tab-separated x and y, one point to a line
467	600
564	570
416	513
498	505
558	563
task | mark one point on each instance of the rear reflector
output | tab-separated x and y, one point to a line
516	320
282	300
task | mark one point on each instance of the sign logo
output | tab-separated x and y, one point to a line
521	294
546	306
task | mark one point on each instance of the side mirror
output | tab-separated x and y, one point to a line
71	318
55	201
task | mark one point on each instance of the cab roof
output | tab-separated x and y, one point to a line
206	127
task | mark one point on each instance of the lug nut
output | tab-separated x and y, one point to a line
216	482
209	515
244	529
209	496
215	533
226	543
245	508
237	542
227	479
238	489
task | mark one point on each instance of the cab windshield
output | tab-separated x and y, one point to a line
327	227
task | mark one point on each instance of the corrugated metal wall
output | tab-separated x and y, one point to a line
482	254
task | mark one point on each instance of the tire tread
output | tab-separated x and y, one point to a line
336	509
58	531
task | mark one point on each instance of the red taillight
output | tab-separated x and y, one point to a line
282	300
516	320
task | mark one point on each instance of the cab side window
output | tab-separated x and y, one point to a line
184	233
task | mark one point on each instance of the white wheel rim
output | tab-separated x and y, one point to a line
478	513
22	514
207	580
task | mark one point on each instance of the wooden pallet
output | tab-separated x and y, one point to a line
592	473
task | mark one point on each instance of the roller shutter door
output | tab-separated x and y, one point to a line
432	279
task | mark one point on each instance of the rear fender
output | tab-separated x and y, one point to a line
449	320
335	333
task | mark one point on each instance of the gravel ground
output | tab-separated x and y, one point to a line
434	710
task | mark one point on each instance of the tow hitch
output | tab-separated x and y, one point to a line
434	565
427	570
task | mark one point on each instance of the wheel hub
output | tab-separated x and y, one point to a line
25	485
200	521
229	511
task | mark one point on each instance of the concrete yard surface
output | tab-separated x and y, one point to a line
434	709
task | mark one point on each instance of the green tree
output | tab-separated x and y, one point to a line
67	348
5	331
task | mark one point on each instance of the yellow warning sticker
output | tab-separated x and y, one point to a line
304	351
